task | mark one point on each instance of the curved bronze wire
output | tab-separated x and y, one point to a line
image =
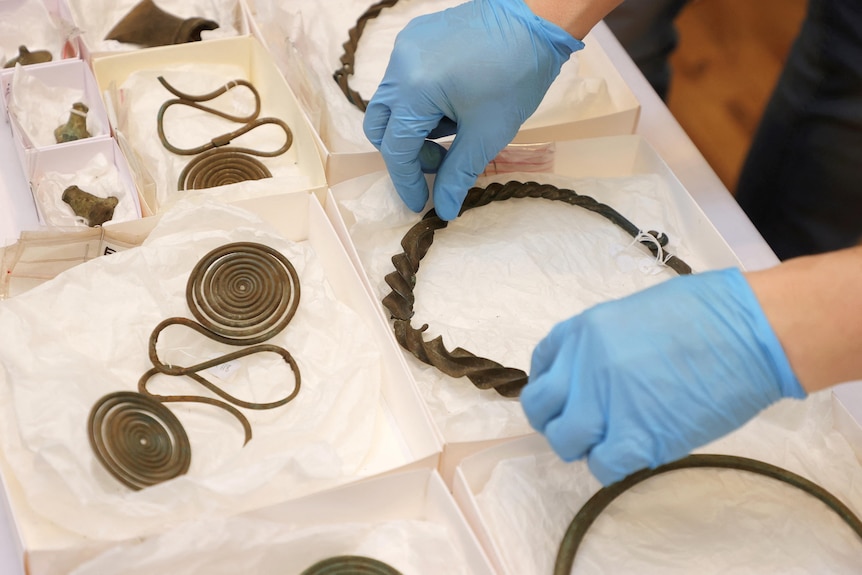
350	565
485	373
138	440
217	163
348	59
242	293
598	502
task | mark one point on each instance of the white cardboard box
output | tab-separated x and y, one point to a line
610	157
405	437
39	25
618	115
69	74
243	52
389	519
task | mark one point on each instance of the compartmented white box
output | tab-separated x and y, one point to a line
217	62
407	520
38	25
59	531
676	521
589	99
97	19
497	263
47	93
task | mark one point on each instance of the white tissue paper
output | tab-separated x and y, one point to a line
187	128
318	30
99	177
40	109
547	260
413	547
97	19
76	338
705	521
28	23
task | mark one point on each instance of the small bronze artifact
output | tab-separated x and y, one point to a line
138	440
242	294
76	127
95	210
598	502
25	57
485	373
218	164
148	25
348	59
350	565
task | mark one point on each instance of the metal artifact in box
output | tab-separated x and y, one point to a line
495	281
405	522
33	32
351	39
231	362
674	521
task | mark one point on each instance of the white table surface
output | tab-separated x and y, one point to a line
656	125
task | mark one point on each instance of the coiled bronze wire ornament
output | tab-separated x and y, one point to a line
138	440
242	294
348	59
485	373
590	511
216	163
350	565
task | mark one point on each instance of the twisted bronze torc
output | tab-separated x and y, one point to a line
242	294
350	565
216	163
138	440
482	372
348	59
590	511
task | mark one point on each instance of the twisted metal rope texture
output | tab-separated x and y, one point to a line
598	502
482	372
216	163
348	59
242	294
350	565
138	440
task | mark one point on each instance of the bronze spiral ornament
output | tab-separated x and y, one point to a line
243	294
482	372
348	59
591	510
350	565
138	440
216	163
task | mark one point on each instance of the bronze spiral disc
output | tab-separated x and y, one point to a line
221	167
138	440
350	565
243	292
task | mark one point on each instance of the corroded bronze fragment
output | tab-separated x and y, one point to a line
148	25
76	127
95	210
486	373
217	163
25	57
350	565
598	502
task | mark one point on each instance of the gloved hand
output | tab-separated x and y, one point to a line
484	65
641	381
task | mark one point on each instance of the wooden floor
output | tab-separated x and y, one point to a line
728	60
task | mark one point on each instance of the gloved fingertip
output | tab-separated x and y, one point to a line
431	156
561	442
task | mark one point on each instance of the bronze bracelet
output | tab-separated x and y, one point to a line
598	502
485	373
350	565
348	59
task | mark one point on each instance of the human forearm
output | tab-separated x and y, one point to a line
577	17
814	305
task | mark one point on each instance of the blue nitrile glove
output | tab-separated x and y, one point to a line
484	65
641	381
